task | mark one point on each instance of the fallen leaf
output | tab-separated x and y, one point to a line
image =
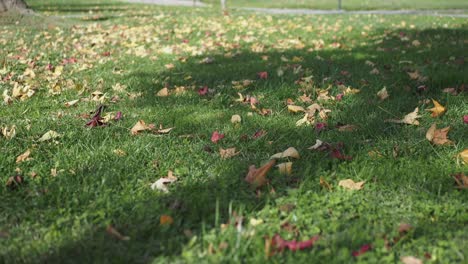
464	156
216	136
347	128
465	119
9	133
320	126
163	92
14	182
437	110
24	156
411	260
49	135
113	232
263	75
318	143
351	185
166	220
325	184
257	177
409	119
383	94
279	244
96	120
295	108
337	154
161	184
72	103
203	91
236	119
140	126
290	152
259	133
228	153
461	180
362	250
119	152
285	168
255	222
164	130
438	136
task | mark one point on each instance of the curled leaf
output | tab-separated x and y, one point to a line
411	260
236	119
161	184
464	156
216	136
285	168
228	153
257	177
351	185
163	92
279	244
166	220
290	152
383	94
409	119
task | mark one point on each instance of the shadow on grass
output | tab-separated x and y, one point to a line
193	202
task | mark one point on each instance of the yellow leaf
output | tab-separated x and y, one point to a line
295	108
437	110
290	152
351	185
236	119
464	156
285	168
163	92
49	135
24	156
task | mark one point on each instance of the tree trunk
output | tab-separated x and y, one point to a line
18	5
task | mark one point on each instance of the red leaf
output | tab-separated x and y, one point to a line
118	116
320	126
203	91
259	133
280	244
336	153
216	136
339	97
96	119
465	119
263	75
362	250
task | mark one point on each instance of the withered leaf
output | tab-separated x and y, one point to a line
113	232
285	168
257	177
409	119
24	156
295	108
228	153
140	126
49	135
438	136
290	152
351	185
161	184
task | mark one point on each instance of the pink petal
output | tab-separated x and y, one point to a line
465	119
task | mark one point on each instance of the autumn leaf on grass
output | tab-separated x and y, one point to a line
72	103
351	185
464	156
263	75
295	108
325	184
383	94
410	260
236	119
461	180
257	177
362	250
162	183
49	135
465	119
203	91
409	119
290	152
228	153
166	220
96	120
279	244
163	92
141	126
285	168
113	232
437	110
9	132
216	136
438	136
14	182
24	156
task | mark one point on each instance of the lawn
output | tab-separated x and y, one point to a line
348	4
83	193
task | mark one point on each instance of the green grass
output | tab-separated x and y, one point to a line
348	4
63	218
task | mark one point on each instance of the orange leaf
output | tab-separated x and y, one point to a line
166	220
437	110
257	177
438	136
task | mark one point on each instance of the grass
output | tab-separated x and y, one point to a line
81	185
348	4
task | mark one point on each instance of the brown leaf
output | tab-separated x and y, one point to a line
438	136
14	182
464	156
437	110
113	232
24	156
257	177
347	128
325	184
228	153
163	92
140	126
461	180
9	133
383	94
351	185
409	119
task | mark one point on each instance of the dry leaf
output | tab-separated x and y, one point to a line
461	180
119	152
166	220
163	130
409	119
285	168
163	92
162	182
113	232
438	136
9	133
236	119
437	110
72	103
383	94
140	126
318	143
257	177
295	108
24	156
411	260
464	156
351	185
228	153
304	121
49	135
325	184
290	152
347	128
